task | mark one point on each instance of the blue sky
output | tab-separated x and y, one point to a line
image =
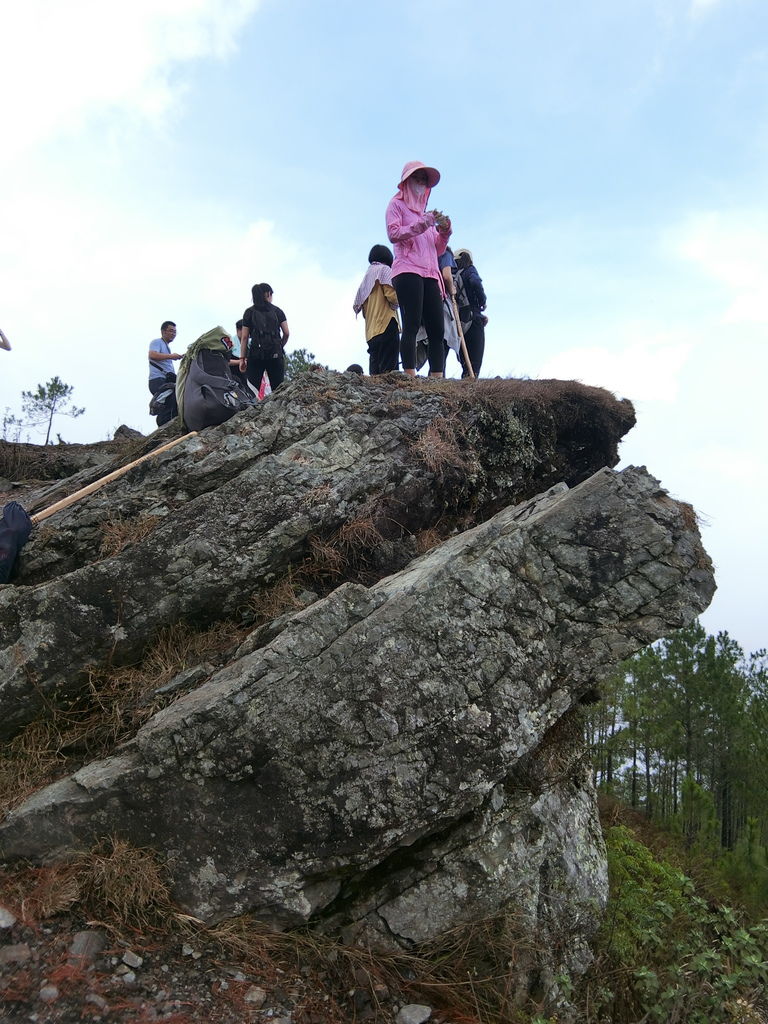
605	160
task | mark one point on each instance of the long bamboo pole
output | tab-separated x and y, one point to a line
97	484
463	343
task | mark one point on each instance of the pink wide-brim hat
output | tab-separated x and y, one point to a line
433	175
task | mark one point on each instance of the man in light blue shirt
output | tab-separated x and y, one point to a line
161	375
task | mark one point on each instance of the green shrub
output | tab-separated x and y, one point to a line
664	954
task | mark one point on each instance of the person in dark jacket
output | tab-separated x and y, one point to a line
472	310
262	339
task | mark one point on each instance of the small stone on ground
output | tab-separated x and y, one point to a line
414	1013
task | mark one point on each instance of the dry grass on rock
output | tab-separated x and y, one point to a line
34	893
117	534
359	533
428	539
317	495
115	704
324	560
276	600
348	550
28	761
439	448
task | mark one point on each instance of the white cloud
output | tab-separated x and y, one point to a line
63	63
699	7
732	249
733	465
645	365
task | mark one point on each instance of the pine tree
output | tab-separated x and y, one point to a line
298	362
51	399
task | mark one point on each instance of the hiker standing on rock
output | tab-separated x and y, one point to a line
377	299
161	374
419	238
262	339
471	300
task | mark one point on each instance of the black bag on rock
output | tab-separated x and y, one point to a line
15	528
207	391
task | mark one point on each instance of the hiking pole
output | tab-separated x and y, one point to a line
97	484
464	352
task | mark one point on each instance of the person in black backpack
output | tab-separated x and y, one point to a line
266	291
262	340
470	298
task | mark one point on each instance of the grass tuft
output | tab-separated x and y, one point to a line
470	974
276	600
359	533
428	539
317	495
120	885
439	448
124	884
325	559
38	893
32	758
117	533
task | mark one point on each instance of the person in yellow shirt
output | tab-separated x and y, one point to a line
377	299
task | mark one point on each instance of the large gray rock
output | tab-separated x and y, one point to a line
406	754
224	515
399	759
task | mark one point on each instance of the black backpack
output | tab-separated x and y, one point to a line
164	401
15	528
462	300
265	333
210	394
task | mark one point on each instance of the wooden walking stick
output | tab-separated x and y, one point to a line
464	352
97	484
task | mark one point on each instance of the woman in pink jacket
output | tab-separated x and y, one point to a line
417	279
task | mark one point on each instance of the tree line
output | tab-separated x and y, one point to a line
682	736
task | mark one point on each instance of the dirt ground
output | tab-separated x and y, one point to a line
68	970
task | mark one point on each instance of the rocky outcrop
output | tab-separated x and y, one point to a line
405	754
361	463
364	764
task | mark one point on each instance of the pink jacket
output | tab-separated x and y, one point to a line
416	241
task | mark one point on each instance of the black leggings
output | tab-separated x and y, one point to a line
474	336
274	366
420	301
